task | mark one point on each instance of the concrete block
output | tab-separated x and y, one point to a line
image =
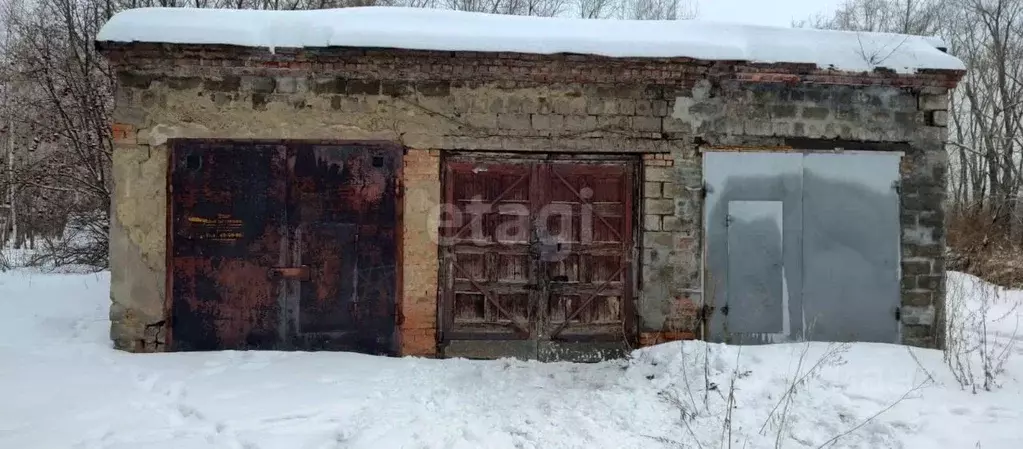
930	282
918	298
569	105
916	267
540	122
515	121
662	174
657	239
652	189
290	84
932	102
659	108
645	108
815	113
658	206
669	189
919	235
915	315
670	223
646	124
580	123
651	222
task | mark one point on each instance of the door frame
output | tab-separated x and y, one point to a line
581	349
173	144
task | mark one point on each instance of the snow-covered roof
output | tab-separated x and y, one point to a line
433	29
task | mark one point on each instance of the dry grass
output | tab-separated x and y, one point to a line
983	247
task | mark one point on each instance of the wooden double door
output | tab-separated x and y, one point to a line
536	257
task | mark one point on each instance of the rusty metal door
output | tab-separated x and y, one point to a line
343	219
228	220
283	245
536	257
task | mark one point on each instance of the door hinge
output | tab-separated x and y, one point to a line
898	313
724	310
705	312
897	186
728	220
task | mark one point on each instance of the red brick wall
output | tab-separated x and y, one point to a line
416	65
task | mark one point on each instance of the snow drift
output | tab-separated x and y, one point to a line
62	386
433	29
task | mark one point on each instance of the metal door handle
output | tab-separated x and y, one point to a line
300	273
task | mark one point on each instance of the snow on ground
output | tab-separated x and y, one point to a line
434	29
61	386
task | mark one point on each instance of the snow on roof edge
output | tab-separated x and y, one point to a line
446	30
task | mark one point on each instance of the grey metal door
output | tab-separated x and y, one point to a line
802	246
851	239
751	182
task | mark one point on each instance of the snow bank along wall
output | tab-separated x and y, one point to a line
654	125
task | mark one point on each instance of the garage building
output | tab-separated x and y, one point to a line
437	183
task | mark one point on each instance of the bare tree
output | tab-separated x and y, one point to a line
658	9
919	17
985	121
542	8
57	99
595	9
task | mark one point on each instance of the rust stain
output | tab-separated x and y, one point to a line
284	245
654	338
123	133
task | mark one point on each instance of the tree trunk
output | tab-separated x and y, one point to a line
11	189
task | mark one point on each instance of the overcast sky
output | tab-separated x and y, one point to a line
763	12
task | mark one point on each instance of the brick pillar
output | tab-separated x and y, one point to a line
418	304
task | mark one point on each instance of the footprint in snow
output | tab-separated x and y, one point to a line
175	391
959	411
905	426
96	439
147	381
188	412
213	368
254	365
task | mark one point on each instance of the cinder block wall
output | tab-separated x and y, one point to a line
669	110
